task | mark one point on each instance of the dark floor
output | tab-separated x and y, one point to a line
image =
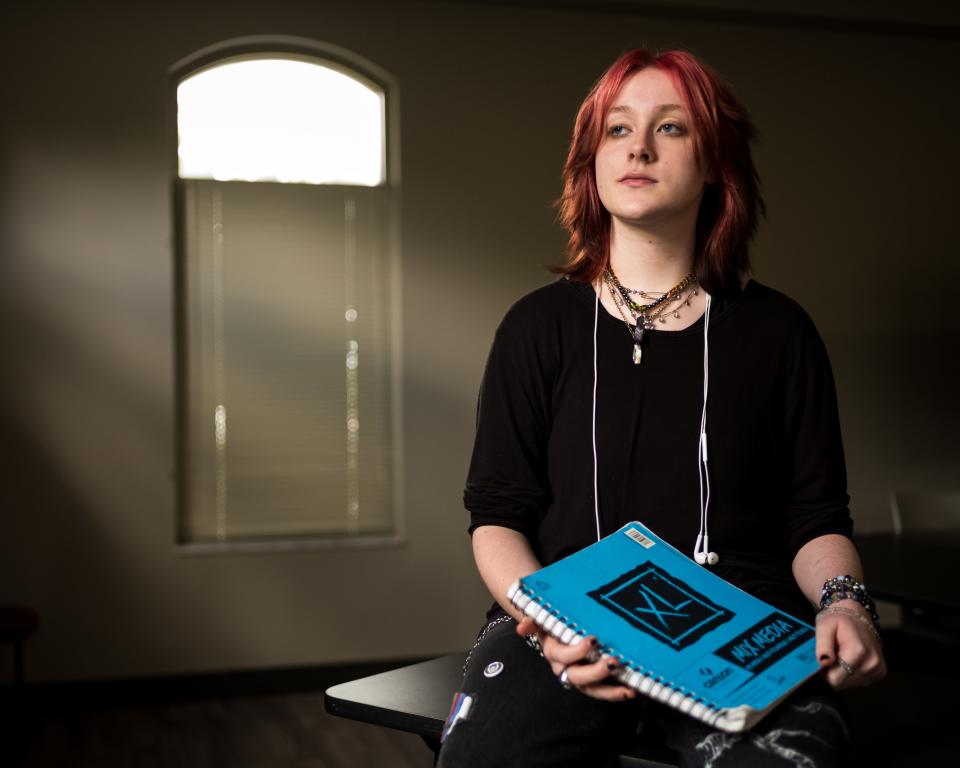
275	731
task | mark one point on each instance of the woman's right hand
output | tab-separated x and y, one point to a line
591	678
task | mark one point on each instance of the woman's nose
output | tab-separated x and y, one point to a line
640	151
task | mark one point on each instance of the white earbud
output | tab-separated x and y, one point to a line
702	554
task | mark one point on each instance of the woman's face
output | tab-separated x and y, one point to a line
646	165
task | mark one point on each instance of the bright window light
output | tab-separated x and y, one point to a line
280	120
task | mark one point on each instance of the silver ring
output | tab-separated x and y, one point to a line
564	680
845	666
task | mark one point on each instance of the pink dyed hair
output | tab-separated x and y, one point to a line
731	204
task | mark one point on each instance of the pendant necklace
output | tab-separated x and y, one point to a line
646	314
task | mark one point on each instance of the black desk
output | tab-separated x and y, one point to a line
415	698
917	570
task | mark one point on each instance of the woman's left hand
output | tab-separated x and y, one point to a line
848	648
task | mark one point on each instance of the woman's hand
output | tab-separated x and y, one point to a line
848	646
591	678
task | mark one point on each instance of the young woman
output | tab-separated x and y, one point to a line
600	396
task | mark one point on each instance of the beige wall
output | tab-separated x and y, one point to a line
858	159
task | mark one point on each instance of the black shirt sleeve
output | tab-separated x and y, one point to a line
507	484
817	480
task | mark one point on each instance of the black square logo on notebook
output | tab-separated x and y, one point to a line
661	605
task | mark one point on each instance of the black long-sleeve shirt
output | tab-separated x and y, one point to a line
776	463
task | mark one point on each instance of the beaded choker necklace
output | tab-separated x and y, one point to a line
644	315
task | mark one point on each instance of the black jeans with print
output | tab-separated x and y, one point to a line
522	716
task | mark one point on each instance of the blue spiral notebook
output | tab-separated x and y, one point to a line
685	636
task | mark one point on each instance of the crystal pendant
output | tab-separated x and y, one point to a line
637	354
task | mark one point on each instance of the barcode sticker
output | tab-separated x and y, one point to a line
638	537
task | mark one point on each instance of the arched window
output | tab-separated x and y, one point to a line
280	119
287	268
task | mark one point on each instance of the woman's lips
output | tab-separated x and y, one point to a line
637	181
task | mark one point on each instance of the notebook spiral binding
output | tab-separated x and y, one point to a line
632	674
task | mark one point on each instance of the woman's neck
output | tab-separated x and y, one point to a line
650	261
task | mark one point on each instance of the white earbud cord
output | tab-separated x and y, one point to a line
701	551
596	495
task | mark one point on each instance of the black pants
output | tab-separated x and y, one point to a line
522	716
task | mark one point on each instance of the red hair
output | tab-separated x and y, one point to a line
722	131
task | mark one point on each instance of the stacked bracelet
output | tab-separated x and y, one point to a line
848	588
853	615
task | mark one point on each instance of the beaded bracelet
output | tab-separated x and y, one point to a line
854	614
848	588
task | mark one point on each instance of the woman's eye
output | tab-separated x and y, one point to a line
670	128
617	130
